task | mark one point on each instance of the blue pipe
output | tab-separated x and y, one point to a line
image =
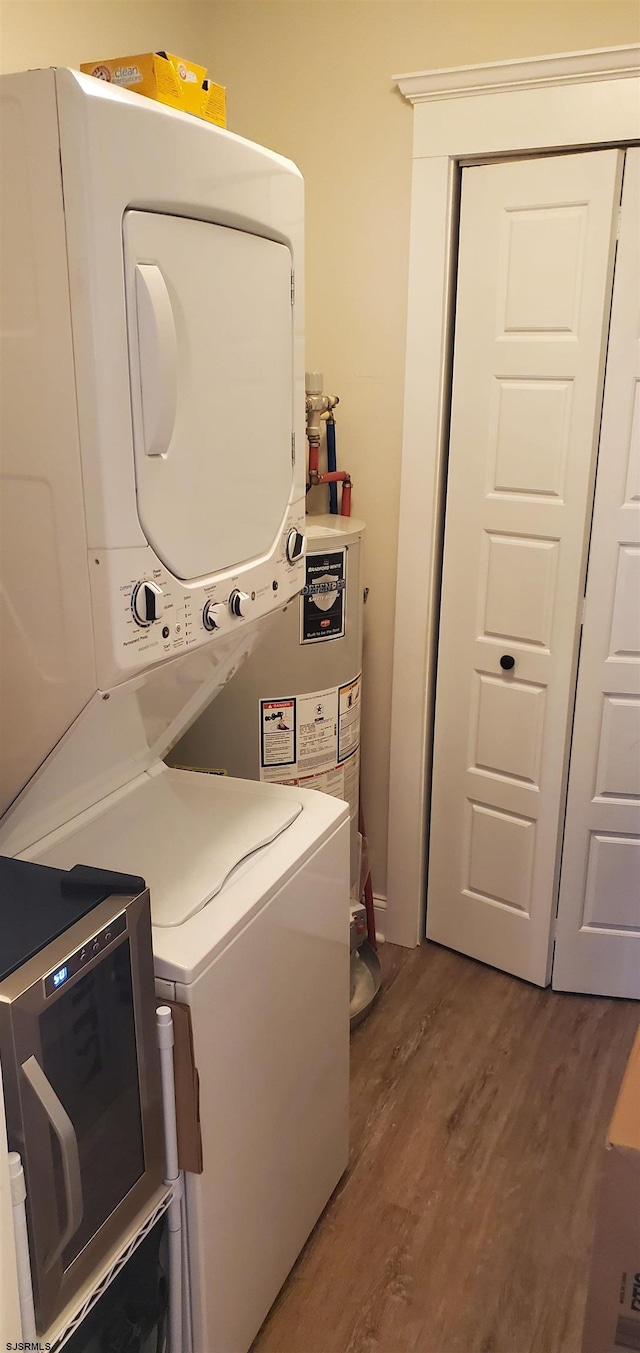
332	464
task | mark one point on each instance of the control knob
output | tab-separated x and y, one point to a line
238	602
295	546
212	616
147	603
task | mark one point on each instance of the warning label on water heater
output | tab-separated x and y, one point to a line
323	597
317	730
349	718
312	739
278	733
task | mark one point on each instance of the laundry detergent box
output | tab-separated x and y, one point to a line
167	78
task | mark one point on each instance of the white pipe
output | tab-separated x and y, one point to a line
187	1328
25	1289
174	1225
164	1024
165	1043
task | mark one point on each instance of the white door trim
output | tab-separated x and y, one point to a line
551	103
561	68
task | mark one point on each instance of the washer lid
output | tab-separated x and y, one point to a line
184	833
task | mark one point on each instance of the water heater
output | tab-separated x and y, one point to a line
291	715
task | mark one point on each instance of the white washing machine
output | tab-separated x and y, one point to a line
263	966
153	488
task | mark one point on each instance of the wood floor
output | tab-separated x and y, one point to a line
463	1225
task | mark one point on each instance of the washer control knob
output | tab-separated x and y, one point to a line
147	603
212	615
295	546
238	602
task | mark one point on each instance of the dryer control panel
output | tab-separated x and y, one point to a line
148	615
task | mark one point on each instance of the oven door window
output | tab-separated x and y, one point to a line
90	1057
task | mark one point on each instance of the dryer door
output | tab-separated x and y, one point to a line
211	359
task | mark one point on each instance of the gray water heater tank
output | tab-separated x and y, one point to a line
291	714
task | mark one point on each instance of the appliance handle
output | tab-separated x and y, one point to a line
68	1142
158	351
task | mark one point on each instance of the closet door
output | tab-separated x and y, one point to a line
598	930
537	240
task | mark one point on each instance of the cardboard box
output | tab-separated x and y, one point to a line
612	1315
169	79
213	105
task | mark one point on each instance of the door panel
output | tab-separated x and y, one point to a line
507	728
534	281
598	930
517	588
530	430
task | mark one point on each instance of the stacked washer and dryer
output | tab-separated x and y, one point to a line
153	487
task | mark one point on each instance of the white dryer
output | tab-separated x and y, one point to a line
153	487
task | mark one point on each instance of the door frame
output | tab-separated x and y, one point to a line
464	115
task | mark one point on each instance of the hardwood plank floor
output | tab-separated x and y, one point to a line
463	1224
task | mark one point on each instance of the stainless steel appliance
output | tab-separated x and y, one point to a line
80	1064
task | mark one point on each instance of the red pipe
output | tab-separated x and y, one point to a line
314	451
370	909
330	477
336	477
368	886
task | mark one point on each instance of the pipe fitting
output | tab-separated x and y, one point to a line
318	406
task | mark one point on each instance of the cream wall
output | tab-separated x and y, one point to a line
68	32
312	79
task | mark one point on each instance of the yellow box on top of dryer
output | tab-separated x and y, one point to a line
169	79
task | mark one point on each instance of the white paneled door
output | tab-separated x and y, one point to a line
598	930
537	243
